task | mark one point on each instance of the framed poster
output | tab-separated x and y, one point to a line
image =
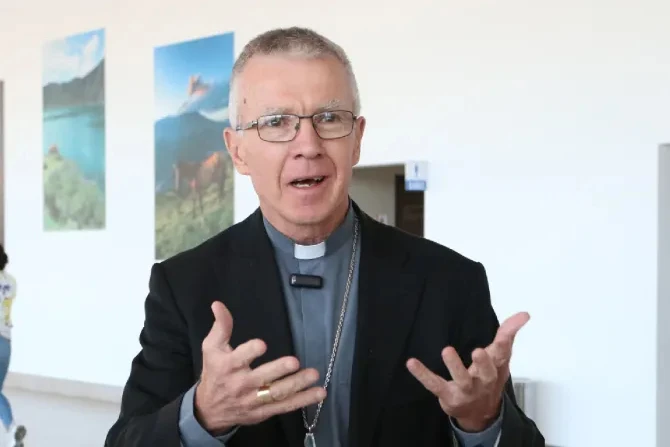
193	170
73	120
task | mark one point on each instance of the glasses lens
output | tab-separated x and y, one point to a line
336	124
277	127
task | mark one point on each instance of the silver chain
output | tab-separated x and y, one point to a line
338	332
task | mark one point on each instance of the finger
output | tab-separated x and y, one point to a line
222	329
483	367
273	371
511	326
500	352
501	348
431	381
288	386
459	373
297	401
246	353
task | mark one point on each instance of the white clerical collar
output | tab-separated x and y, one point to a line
342	235
309	251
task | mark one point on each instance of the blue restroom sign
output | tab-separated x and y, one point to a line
416	175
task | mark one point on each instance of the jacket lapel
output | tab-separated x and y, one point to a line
388	296
252	291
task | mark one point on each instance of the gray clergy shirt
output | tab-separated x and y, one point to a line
313	316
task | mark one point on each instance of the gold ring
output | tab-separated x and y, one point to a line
264	394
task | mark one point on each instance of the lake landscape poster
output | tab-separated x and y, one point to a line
193	170
73	119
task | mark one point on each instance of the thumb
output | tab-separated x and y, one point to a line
511	326
501	348
222	329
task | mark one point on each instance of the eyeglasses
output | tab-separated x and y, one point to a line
284	127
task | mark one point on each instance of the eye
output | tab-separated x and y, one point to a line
274	121
330	117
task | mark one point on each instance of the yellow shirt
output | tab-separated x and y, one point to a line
7	297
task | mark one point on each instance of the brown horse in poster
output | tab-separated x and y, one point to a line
199	176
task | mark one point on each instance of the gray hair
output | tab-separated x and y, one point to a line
294	41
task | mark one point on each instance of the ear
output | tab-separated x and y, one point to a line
233	142
359	130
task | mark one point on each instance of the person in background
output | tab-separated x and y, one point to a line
13	434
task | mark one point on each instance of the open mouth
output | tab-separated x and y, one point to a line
307	182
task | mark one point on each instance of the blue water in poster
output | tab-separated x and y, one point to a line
79	134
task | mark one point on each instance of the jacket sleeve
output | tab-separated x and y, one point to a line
160	374
478	330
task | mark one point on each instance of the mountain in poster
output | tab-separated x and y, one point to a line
85	91
194	132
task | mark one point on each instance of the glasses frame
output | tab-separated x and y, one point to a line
254	124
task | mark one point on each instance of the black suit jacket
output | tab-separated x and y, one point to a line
415	298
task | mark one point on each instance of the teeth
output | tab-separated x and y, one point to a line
307	182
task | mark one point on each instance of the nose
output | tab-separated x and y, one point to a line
307	142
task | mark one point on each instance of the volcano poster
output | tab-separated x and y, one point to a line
193	171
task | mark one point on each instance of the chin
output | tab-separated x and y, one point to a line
314	210
310	215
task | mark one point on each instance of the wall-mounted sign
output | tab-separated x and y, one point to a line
416	175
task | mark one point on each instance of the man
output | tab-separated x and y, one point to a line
309	323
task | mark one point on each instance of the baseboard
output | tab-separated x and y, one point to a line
63	387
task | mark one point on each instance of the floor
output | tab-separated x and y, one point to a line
54	421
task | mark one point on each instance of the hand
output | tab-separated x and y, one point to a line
227	393
474	396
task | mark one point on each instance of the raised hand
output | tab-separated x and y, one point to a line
230	393
475	394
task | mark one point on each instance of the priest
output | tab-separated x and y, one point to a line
309	323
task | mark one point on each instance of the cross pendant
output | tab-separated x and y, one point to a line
309	440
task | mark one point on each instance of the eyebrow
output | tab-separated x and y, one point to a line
330	105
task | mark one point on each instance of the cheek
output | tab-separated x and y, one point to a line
265	170
343	159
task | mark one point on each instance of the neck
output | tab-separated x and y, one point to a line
308	234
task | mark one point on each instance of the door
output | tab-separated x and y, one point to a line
408	208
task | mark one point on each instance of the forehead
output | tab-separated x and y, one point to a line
293	84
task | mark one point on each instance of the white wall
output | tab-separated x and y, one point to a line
2	166
663	318
541	121
373	188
